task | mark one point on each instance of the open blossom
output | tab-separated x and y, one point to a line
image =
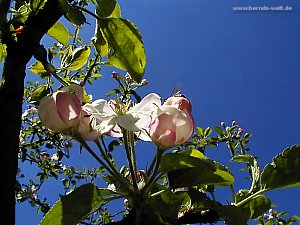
111	116
173	123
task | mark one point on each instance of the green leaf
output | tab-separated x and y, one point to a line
78	58
283	172
36	5
220	130
38	69
126	49
168	204
105	8
39	93
255	169
3	52
77	205
72	14
256	206
207	131
99	41
60	33
231	214
185	170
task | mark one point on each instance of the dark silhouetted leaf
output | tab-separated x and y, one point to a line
73	14
74	207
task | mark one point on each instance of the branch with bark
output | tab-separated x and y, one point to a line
19	52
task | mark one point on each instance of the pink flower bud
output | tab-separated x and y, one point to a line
60	112
233	122
144	82
171	127
126	202
179	102
128	78
223	124
240	131
115	75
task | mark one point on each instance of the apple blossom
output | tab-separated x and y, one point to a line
110	115
173	124
60	112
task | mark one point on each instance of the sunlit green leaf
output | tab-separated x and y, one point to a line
72	13
78	58
36	5
3	52
99	41
256	206
126	49
255	169
39	93
185	170
283	172
38	69
74	207
60	33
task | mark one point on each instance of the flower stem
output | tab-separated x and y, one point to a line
128	149
109	170
111	165
153	178
249	198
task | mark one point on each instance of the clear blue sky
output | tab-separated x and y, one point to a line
241	66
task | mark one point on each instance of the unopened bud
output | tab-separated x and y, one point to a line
126	202
233	122
223	124
115	75
228	129
240	131
128	78
144	82
81	83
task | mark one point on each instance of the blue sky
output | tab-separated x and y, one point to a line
241	66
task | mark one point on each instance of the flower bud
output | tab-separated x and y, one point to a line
60	111
179	102
144	82
240	131
115	75
128	78
223	124
171	127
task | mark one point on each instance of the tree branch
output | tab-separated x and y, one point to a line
11	95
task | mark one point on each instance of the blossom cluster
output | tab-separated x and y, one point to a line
166	124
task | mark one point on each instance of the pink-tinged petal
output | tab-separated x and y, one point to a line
171	127
68	107
179	102
49	115
86	128
78	91
115	132
148	104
